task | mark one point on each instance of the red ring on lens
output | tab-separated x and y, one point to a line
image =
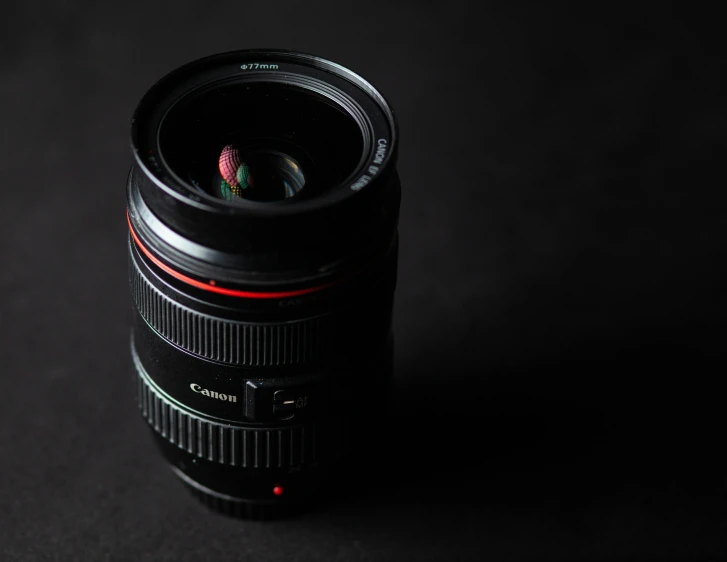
211	285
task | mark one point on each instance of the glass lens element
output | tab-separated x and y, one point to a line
260	141
257	175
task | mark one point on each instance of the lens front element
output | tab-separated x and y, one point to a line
258	175
266	140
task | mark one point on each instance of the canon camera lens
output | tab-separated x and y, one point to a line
263	205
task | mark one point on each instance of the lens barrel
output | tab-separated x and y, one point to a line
263	206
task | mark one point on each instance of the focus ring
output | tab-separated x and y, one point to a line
229	341
236	446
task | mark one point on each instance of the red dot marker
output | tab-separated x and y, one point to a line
278	490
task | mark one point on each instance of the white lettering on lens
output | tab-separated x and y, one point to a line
380	151
212	394
382	146
258	66
362	181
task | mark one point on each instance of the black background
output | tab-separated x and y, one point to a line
560	315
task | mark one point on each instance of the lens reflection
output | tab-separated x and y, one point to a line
257	175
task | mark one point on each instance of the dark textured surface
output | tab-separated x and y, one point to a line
561	309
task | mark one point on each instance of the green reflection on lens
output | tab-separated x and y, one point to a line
259	175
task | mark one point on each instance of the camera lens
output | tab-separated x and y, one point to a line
263	206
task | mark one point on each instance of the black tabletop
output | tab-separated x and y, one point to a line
560	315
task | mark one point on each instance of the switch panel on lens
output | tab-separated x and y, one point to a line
269	401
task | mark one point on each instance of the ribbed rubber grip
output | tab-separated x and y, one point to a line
240	343
236	446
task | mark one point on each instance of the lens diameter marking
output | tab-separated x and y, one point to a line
258	66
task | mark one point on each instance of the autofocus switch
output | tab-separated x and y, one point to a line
284	404
267	402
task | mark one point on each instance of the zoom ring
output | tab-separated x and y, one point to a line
243	447
229	341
